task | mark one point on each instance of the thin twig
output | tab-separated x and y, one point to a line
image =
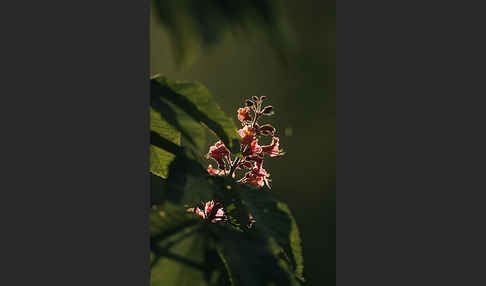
234	165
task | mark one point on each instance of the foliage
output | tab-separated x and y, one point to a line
194	23
254	241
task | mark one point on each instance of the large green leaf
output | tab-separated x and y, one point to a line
160	158
253	259
275	221
188	182
274	239
182	252
197	102
192	132
269	252
183	265
173	117
295	244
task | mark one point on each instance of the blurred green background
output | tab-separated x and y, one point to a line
301	85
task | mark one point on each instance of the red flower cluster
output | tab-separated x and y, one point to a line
251	159
252	152
210	211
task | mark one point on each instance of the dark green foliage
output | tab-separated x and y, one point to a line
194	23
187	250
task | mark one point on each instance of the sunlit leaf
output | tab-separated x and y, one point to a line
197	102
160	158
191	131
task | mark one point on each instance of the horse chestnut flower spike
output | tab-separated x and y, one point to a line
252	154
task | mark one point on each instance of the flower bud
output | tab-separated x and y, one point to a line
267	129
268	110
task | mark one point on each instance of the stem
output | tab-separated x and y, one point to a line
255	119
233	166
227	162
257	113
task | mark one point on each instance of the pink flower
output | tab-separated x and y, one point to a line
253	149
247	135
200	213
219	216
244	114
258	159
208	208
210	211
257	177
218	151
213	171
272	149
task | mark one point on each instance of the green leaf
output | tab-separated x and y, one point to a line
160	158
191	130
272	245
161	142
188	182
252	259
168	219
176	249
295	243
276	222
181	251
183	265
196	101
158	190
172	117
